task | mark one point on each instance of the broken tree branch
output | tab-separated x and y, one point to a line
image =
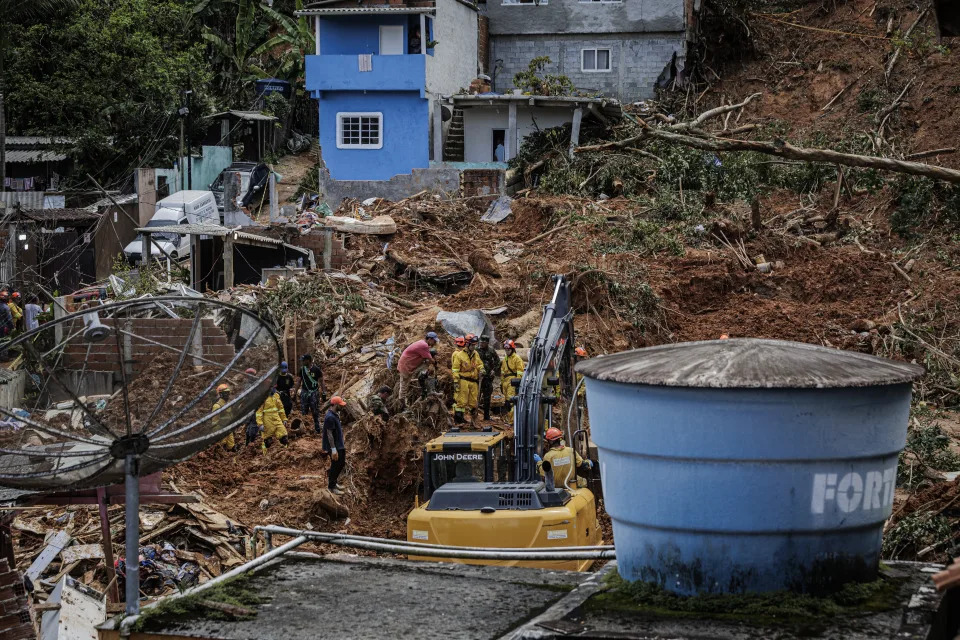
712	113
896	52
843	91
784	149
931	152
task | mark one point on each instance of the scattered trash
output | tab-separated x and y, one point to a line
381	225
498	211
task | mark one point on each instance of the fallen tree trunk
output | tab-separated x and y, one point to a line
786	150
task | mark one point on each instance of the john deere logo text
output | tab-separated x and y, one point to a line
853	491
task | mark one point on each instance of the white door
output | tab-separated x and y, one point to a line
391	40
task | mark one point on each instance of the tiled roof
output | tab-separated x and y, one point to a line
35	141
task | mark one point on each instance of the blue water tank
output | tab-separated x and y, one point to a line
748	465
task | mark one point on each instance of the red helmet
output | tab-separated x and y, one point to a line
510	344
553	434
580	351
251	371
15	295
460	341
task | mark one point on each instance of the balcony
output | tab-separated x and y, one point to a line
389	73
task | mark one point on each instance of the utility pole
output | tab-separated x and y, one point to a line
189	144
181	112
3	137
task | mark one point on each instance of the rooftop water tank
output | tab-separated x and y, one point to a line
748	465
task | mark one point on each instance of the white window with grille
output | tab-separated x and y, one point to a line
524	2
357	130
595	60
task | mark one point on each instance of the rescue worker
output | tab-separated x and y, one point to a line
579	354
6	317
378	402
415	359
252	429
467	369
271	418
491	365
460	343
15	309
285	384
223	397
428	378
333	444
311	389
564	461
510	368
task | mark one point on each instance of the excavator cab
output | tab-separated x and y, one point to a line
485	490
463	456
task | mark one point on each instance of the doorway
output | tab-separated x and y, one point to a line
499	145
391	40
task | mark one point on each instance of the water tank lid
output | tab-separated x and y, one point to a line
748	363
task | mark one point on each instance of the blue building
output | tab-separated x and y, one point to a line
378	74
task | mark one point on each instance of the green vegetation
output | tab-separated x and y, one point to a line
915	532
535	82
928	447
922	202
751	608
236	592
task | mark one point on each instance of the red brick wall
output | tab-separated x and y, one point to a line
16	622
340	257
483	43
172	332
480	182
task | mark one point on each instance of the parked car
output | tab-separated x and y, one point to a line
253	183
181	208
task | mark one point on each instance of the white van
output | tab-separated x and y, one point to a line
183	207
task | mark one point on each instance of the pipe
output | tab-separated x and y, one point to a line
573	404
491	554
268	530
127	624
132	512
446	551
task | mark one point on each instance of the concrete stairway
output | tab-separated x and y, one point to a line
453	147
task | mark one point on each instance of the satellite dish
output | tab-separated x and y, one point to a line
162	360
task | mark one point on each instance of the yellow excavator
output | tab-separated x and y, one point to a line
482	490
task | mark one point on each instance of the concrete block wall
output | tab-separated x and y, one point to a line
172	332
636	60
437	179
16	622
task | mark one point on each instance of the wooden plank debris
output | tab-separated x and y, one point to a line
55	545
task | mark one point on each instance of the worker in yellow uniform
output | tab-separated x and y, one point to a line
467	369
223	397
511	367
579	354
460	343
272	418
564	461
15	310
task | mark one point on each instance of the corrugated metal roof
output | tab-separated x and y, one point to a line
127	198
26	199
351	11
245	115
27	141
21	156
61	215
217	231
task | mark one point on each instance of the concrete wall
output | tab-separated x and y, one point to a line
636	60
573	16
454	63
114	232
439	178
405	133
479	123
206	168
358	34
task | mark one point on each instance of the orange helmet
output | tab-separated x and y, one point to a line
580	351
553	434
223	388
460	341
15	295
251	371
510	344
337	400
469	337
